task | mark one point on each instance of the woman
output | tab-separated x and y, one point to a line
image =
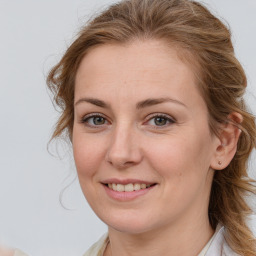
151	99
151	95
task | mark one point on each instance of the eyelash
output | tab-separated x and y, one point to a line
168	119
85	119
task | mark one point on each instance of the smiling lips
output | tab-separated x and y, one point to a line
126	190
128	187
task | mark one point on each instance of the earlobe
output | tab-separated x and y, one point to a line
227	142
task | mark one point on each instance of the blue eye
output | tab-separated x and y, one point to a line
160	120
94	120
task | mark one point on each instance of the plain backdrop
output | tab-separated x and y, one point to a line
34	34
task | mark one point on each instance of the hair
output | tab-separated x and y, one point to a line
205	41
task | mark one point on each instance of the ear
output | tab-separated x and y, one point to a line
226	145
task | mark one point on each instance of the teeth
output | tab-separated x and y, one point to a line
136	187
127	188
119	187
143	186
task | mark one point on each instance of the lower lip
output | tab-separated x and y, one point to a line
126	196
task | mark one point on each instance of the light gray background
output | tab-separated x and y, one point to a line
33	36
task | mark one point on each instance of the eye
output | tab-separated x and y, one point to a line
160	120
94	120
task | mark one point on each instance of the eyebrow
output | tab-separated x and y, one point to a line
97	102
152	102
142	104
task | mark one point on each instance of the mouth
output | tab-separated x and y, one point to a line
130	187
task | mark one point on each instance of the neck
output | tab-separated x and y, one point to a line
180	240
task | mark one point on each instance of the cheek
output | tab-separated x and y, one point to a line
180	155
170	153
183	166
87	156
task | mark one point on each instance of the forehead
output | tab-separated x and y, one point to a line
146	67
140	53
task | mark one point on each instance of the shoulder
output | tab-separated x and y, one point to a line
98	248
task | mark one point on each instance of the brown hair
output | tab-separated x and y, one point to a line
221	79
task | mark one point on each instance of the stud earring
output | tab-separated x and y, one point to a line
219	163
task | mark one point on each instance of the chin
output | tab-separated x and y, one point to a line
129	228
128	223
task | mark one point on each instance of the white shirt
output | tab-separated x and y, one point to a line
217	246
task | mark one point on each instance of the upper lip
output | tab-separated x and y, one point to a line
126	181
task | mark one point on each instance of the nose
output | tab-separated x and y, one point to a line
124	148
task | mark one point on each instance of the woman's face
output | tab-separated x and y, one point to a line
141	126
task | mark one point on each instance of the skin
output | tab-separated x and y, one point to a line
6	251
128	143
